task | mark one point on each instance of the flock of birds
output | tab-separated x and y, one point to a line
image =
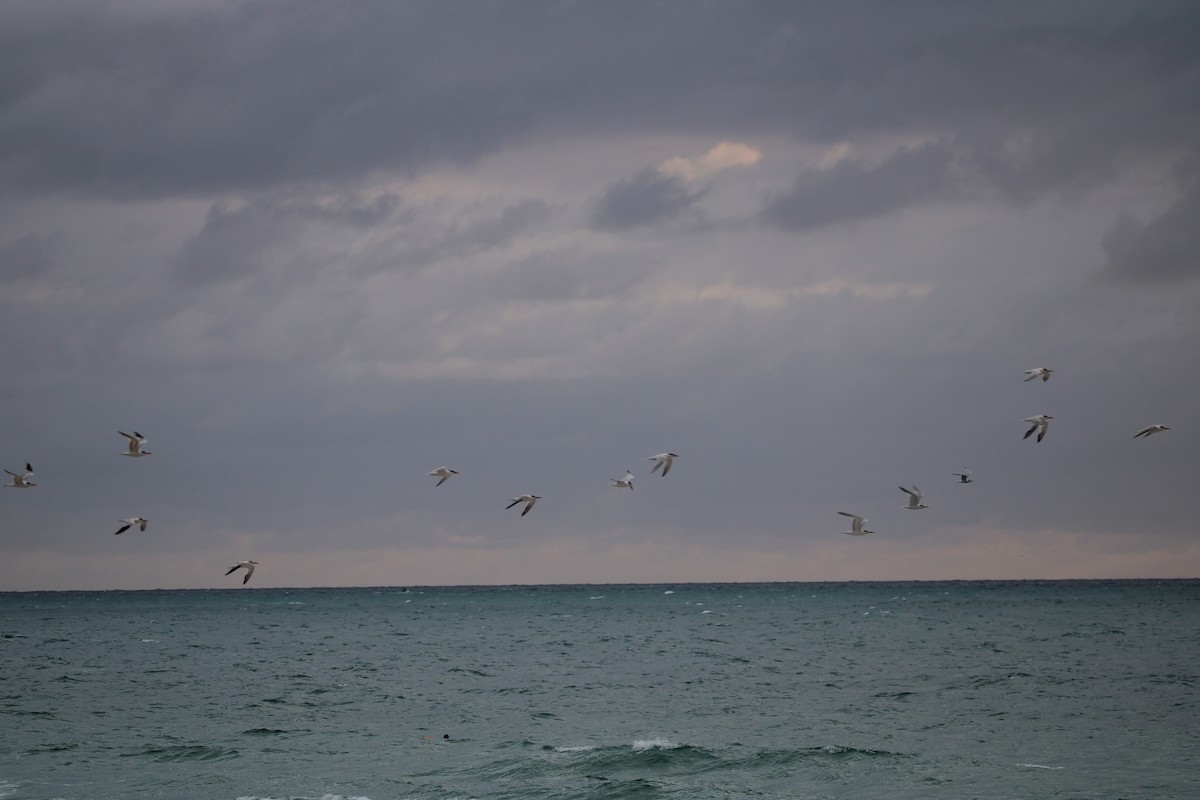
136	449
662	464
661	461
1039	423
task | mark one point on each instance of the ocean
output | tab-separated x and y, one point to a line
1073	689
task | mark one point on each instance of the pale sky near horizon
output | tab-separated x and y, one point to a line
313	250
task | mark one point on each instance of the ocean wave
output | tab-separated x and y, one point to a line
655	744
185	752
843	750
829	753
54	748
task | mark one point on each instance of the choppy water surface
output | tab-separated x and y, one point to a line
922	690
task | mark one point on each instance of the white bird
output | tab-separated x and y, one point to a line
135	444
964	476
247	565
663	460
527	499
856	526
1152	429
444	473
914	498
20	481
623	483
1037	372
129	523
1040	423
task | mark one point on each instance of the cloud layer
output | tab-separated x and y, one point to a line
314	251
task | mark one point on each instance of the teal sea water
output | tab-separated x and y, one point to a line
1074	689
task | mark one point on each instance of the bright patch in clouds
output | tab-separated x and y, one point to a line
872	291
833	155
721	157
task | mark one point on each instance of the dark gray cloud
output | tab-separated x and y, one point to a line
647	198
424	242
252	94
852	190
1166	248
28	256
238	242
232	243
560	275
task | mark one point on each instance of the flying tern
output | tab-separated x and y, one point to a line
964	476
663	460
1151	430
445	473
136	441
527	499
247	565
1039	424
130	522
914	498
1037	372
623	483
20	481
856	525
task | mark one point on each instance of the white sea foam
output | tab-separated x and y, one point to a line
1037	766
654	744
583	748
7	788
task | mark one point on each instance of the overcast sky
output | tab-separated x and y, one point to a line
314	250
